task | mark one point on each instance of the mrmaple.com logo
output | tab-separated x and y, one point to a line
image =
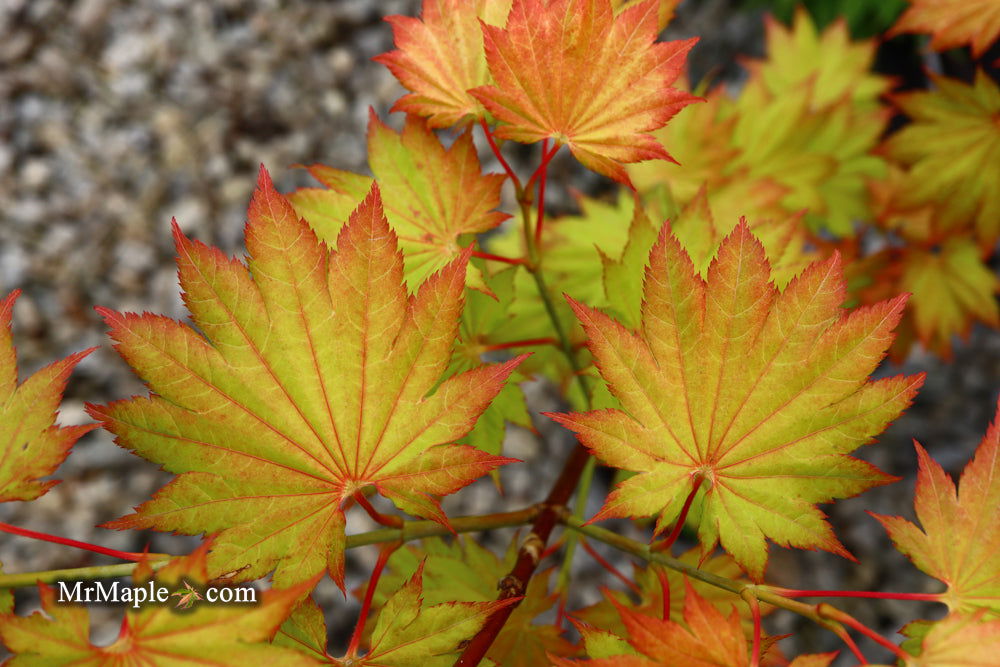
152	593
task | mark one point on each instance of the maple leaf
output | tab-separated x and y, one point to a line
951	288
186	596
951	150
464	571
440	57
155	633
434	196
820	152
960	540
707	638
31	445
953	23
573	71
313	379
829	61
958	639
761	394
407	631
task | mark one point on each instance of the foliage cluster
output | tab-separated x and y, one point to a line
712	329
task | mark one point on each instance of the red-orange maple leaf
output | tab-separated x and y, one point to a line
440	57
707	639
960	540
315	374
573	71
953	23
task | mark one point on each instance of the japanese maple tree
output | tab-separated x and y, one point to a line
714	332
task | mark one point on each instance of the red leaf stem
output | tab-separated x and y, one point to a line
609	567
544	168
497	258
383	557
24	532
383	519
527	342
546	158
551	549
795	593
675	533
499	156
831	612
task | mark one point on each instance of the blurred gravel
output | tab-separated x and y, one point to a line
115	117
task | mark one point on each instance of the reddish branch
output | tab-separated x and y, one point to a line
528	557
499	155
55	539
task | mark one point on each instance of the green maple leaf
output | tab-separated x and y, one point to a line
762	394
435	197
31	445
951	151
315	374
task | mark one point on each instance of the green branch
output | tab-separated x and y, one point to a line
410	530
761	593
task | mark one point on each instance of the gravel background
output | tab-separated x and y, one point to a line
115	117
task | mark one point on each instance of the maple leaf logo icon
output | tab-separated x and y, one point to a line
186	596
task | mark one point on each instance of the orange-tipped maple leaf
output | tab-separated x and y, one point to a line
761	394
31	445
315	375
960	540
573	71
706	639
440	57
953	23
157	634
